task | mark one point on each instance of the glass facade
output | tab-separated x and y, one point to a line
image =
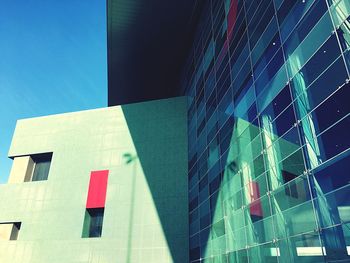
268	131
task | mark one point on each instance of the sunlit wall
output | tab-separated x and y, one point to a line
142	146
269	158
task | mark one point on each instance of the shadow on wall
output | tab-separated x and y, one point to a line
131	160
159	133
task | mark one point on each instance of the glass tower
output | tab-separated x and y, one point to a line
268	131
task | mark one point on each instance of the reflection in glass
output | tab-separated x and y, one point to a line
269	140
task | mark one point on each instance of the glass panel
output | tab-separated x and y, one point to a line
332	175
194	227
278	3
218	229
287	144
284	159
41	170
240	60
269	72
305	26
294	16
307	98
334	207
241	76
276	128
256	188
340	11
304	248
284	9
264	253
265	14
233	202
259	221
328	144
235	218
194	241
253	149
276	84
238	256
320	61
264	41
93	222
336	243
252	170
96	222
260	117
244	100
236	239
294	213
238	44
278	104
292	166
330	111
308	47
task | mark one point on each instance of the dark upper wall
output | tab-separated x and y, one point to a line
147	45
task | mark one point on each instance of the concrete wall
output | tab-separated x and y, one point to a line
145	218
22	170
5	231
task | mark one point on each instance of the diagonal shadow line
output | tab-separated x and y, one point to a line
173	211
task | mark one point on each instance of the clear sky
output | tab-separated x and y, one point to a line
53	59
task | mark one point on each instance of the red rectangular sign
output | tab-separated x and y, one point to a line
97	189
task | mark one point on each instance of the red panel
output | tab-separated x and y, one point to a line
255	207
231	18
97	189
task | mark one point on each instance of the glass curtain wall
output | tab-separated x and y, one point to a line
269	160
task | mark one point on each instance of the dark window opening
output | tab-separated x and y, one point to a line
93	222
15	231
42	166
291	189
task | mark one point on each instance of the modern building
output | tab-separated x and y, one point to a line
268	119
98	186
264	134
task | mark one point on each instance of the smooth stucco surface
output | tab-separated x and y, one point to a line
22	170
146	208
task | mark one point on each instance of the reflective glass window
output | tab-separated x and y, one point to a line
336	241
259	222
332	175
302	248
328	144
319	90
293	208
93	222
263	253
278	104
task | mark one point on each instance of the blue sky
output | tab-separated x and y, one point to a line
52	60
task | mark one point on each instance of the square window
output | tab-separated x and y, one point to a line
93	222
28	168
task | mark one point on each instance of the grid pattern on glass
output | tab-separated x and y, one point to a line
268	89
